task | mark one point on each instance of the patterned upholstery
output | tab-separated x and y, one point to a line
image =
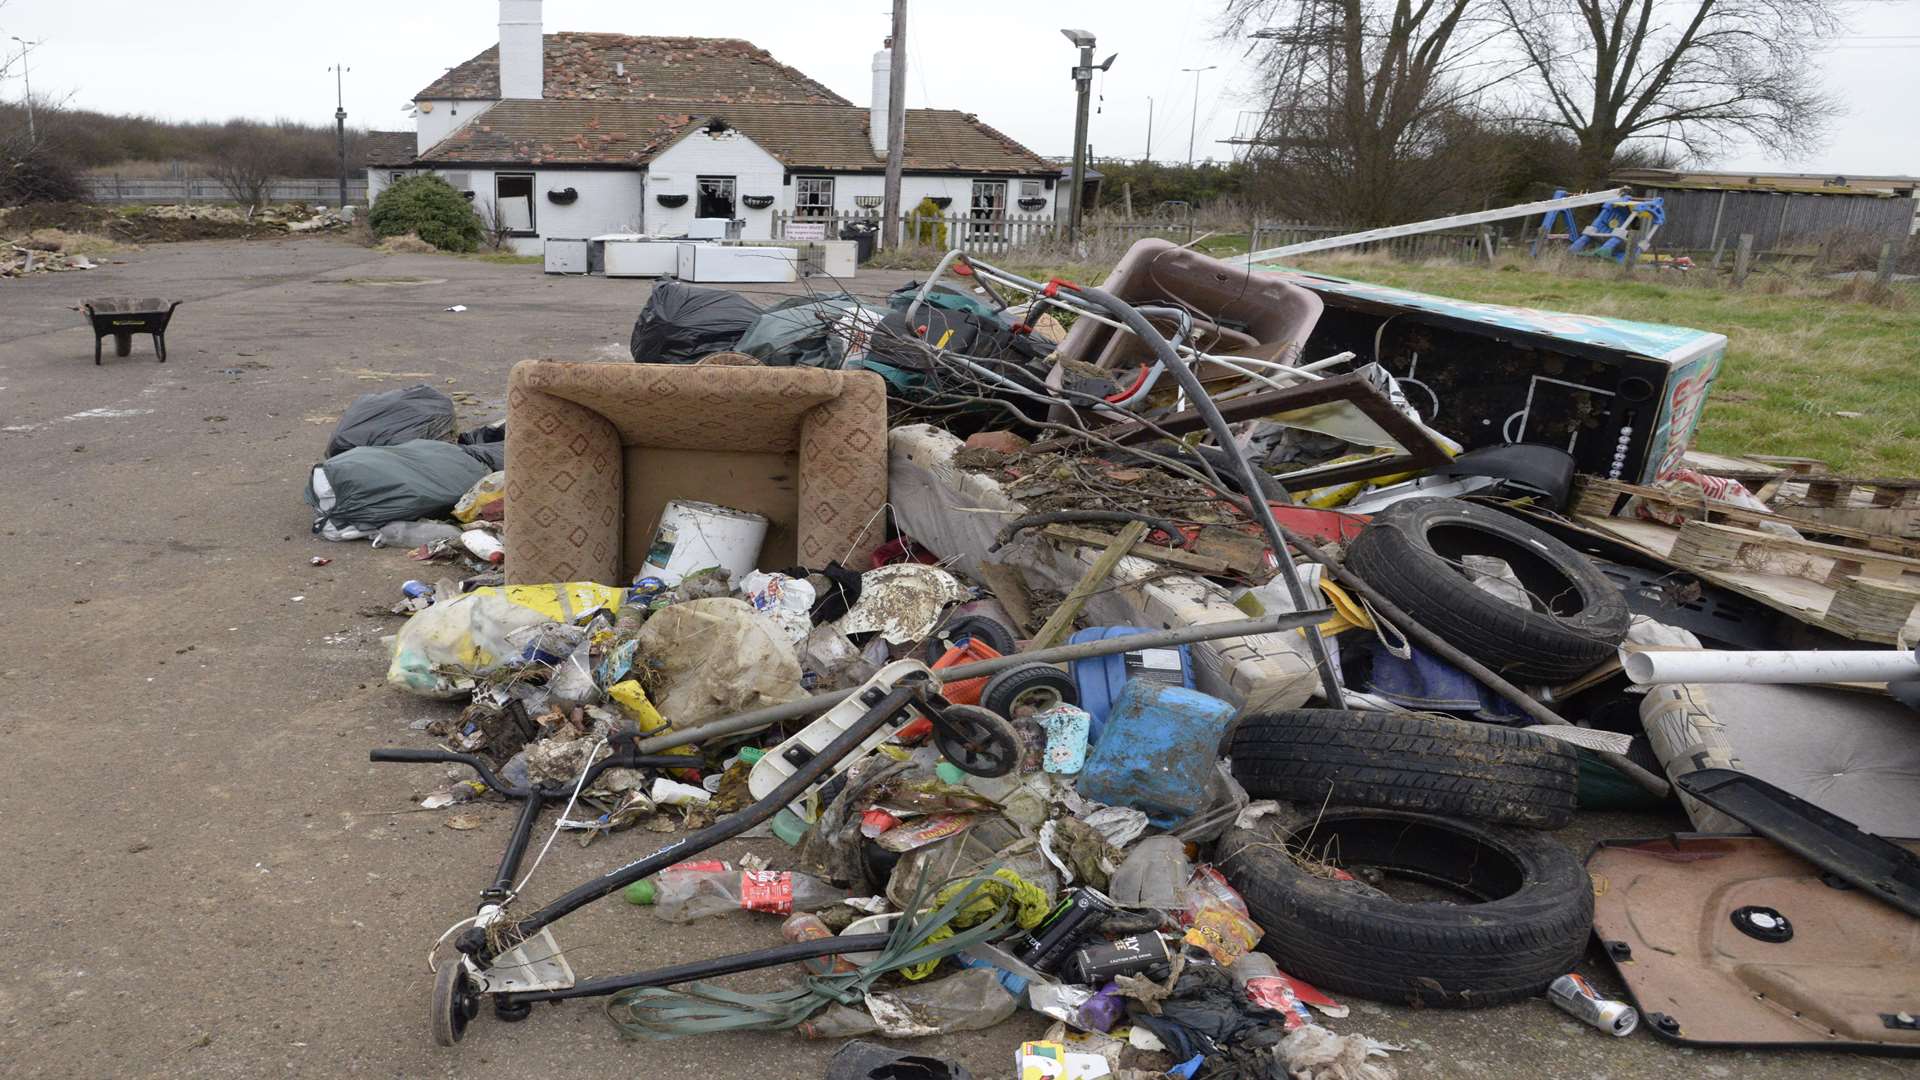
574	429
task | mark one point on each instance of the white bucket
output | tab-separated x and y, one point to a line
696	535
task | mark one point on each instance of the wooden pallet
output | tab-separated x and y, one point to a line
1597	497
1709	546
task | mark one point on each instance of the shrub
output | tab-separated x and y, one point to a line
924	226
38	177
430	208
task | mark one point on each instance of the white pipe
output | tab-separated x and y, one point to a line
1807	666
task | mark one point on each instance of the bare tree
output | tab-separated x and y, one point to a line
246	161
1700	72
1365	100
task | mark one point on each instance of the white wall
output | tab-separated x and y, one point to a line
609	200
914	188
674	172
438	119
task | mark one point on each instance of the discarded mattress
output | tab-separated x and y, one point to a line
956	514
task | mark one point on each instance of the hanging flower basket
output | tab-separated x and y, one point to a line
562	197
757	202
942	201
1032	202
671	201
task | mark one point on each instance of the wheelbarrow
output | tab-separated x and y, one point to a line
124	316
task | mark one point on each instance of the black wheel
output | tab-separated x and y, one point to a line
979	741
1395	761
454	1001
987	630
1028	689
1413	553
1520	913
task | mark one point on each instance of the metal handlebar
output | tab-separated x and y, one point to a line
627	759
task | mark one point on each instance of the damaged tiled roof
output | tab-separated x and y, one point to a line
666	70
384	149
827	137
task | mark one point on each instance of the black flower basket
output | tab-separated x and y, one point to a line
671	202
757	202
563	197
1032	202
942	201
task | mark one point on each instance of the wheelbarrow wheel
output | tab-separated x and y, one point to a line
978	740
454	1002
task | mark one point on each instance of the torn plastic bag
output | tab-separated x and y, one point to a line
809	332
969	1000
369	486
484	501
392	417
440	650
682	323
491	454
715	657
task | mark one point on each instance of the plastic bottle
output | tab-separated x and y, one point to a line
412	534
484	545
684	897
806	926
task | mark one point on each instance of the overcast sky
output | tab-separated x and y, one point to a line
214	59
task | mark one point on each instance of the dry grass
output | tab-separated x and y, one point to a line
406	244
69	242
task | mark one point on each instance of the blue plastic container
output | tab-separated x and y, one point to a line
1157	751
1100	679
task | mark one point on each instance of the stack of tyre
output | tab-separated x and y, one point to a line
1461	806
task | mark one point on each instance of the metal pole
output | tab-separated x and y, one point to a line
26	74
1083	85
896	128
1149	129
340	127
1195	125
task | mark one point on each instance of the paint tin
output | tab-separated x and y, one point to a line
1577	997
698	535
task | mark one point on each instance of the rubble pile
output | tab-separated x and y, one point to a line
1179	678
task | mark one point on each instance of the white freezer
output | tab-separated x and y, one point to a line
716	263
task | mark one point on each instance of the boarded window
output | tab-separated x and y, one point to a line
513	202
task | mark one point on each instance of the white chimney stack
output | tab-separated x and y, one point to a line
522	50
882	87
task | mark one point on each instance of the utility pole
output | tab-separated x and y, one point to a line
1149	129
340	126
896	128
1196	108
26	73
1083	86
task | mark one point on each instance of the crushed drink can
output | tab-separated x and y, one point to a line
1577	997
414	590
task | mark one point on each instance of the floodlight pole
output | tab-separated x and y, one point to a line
1083	86
340	127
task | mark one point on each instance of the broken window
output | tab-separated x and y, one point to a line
813	196
716	197
989	203
513	202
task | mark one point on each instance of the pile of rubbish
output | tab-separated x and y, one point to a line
52	251
292	217
1187	678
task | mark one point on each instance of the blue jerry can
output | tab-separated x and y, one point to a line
1157	751
1101	679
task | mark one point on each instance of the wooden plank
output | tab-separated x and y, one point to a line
1185	560
1008	588
1061	621
1708	545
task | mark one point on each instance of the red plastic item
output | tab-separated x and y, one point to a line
901	550
963	692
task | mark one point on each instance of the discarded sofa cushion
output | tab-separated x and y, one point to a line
682	323
368	486
392	417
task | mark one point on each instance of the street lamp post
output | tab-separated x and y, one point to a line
340	126
1083	85
1196	108
26	73
1149	129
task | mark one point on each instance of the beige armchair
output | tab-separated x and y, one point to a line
596	450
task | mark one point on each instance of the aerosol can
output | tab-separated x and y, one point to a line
1577	997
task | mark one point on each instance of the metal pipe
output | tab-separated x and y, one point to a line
1799	666
707	969
1086	650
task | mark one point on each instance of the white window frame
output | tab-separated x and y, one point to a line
977	228
1030	189
803	207
733	192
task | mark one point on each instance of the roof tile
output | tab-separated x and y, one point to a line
689	70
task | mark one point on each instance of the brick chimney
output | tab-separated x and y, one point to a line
522	50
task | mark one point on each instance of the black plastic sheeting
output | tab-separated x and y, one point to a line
682	323
392	417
